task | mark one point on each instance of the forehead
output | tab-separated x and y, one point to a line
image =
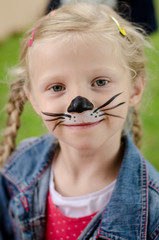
72	48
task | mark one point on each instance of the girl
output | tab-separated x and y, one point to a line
83	70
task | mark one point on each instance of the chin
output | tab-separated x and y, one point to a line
84	144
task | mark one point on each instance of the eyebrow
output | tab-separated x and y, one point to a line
59	77
50	78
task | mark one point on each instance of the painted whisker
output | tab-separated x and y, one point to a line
113	106
111	115
108	102
57	125
56	114
54	119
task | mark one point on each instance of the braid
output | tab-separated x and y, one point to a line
14	110
136	127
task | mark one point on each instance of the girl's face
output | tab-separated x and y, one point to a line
69	80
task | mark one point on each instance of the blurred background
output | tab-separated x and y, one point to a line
16	16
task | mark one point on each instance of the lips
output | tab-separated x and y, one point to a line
83	125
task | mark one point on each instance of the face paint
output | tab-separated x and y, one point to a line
82	112
79	105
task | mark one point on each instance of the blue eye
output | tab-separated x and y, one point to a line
57	88
100	82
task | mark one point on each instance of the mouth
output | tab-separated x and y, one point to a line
83	125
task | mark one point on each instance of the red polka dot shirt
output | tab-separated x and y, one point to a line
61	227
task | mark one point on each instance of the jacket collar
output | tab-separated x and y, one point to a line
125	217
33	157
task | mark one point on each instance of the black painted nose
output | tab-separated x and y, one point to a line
80	104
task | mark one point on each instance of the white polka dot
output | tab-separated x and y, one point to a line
63	230
58	222
53	224
76	226
74	234
84	222
57	231
64	221
67	237
54	214
69	228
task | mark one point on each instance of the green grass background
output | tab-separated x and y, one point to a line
31	124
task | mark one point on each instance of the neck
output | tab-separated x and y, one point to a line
100	165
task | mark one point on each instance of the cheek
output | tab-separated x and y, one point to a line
48	105
49	125
52	105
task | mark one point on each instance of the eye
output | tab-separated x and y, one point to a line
100	82
57	88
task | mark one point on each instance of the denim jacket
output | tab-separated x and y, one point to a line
131	214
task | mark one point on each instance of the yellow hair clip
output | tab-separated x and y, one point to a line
121	29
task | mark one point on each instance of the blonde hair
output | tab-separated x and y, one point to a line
84	19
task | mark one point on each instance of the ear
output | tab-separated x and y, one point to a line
137	89
32	100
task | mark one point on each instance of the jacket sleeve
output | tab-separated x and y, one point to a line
153	224
6	232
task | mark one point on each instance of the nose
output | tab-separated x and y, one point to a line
80	104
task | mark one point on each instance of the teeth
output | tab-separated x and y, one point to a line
85	117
